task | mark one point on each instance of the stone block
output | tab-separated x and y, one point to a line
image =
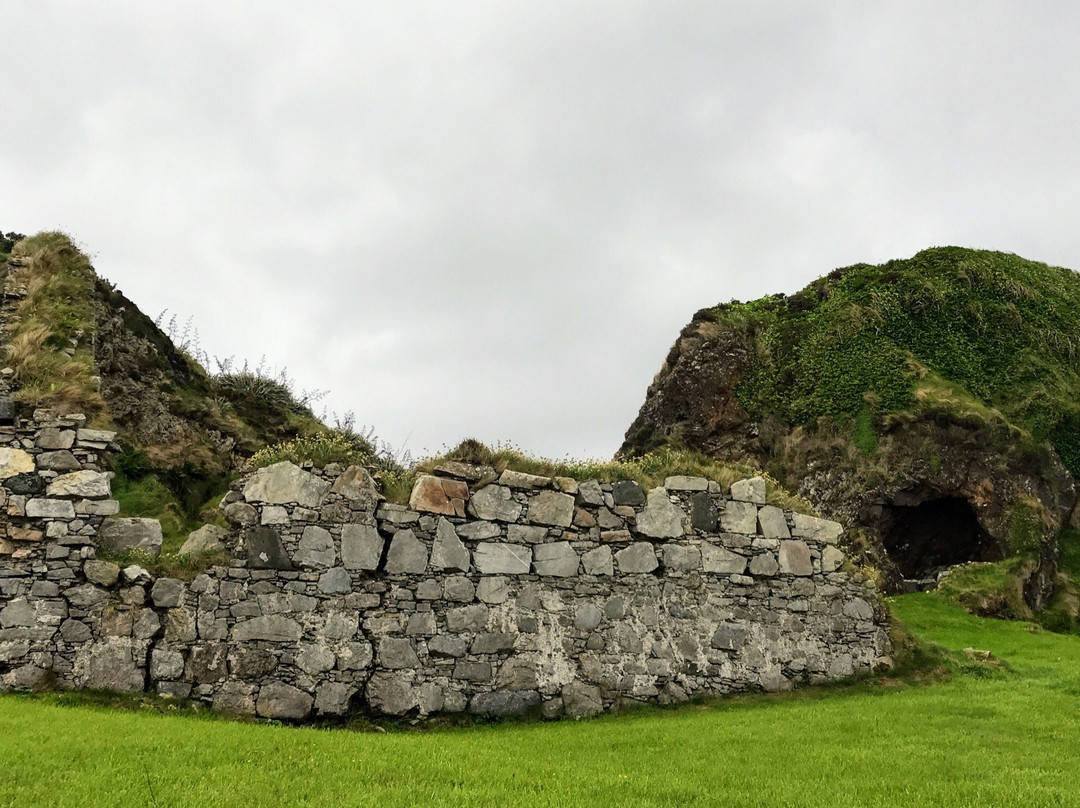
167	593
494	503
440	495
557	559
551	508
582	700
208	538
458	589
397	652
62	460
773	522
286	483
391	693
764	564
472	671
704	515
751	490
679	558
739	517
118	535
795	558
479	531
831	559
598	561
492	558
519	479
332	698
81	484
264	551
492	589
721	560
407	554
682	483
274	515
15	461
361	547
499	703
51	438
627	492
590	493
284	702
271	628
52	509
335	581
639	557
356	485
448	551
316	548
816	529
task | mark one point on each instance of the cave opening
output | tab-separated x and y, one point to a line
923	539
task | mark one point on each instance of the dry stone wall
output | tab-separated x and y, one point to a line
494	594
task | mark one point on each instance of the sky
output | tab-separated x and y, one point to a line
491	219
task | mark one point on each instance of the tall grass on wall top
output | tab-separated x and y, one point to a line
328	447
49	341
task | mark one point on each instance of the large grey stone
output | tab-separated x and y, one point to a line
282	701
315	659
812	527
557	559
397	652
679	558
479	531
166	664
240	514
764	564
504	703
703	512
519	479
581	700
96	438
52	509
18	612
361	547
391	693
639	557
494	503
87	484
207	539
109	664
355	656
661	518
316	548
51	438
493	558
271	627
831	559
739	517
335	581
285	483
264	550
795	558
356	485
492	589
551	508
14	461
751	490
598	561
58	461
332	698
167	593
448	552
407	554
104	573
721	560
773	523
119	535
86	596
590	493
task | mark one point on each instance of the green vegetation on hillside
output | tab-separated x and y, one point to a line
48	344
985	738
988	335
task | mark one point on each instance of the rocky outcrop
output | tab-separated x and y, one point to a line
547	595
929	473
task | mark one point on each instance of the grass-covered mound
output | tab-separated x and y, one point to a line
984	736
984	335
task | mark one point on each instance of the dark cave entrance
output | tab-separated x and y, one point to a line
923	539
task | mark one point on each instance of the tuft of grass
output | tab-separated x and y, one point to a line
49	344
327	447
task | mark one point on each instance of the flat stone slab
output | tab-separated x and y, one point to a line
285	483
551	508
493	558
721	560
557	559
15	461
361	547
739	517
795	558
264	550
773	523
449	552
813	527
751	490
494	503
682	483
519	479
119	535
407	554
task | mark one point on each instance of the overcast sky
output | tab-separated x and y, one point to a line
492	219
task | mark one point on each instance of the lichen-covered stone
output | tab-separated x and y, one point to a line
551	508
794	557
448	551
15	461
120	535
661	518
739	517
557	559
812	527
283	701
773	523
751	490
492	558
494	503
431	494
639	557
316	548
361	547
407	554
86	484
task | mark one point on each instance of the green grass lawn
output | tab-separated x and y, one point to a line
1009	739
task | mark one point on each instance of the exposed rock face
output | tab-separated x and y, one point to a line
938	480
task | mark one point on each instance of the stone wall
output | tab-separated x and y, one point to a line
495	594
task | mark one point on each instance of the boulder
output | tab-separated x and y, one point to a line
208	538
282	701
286	483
